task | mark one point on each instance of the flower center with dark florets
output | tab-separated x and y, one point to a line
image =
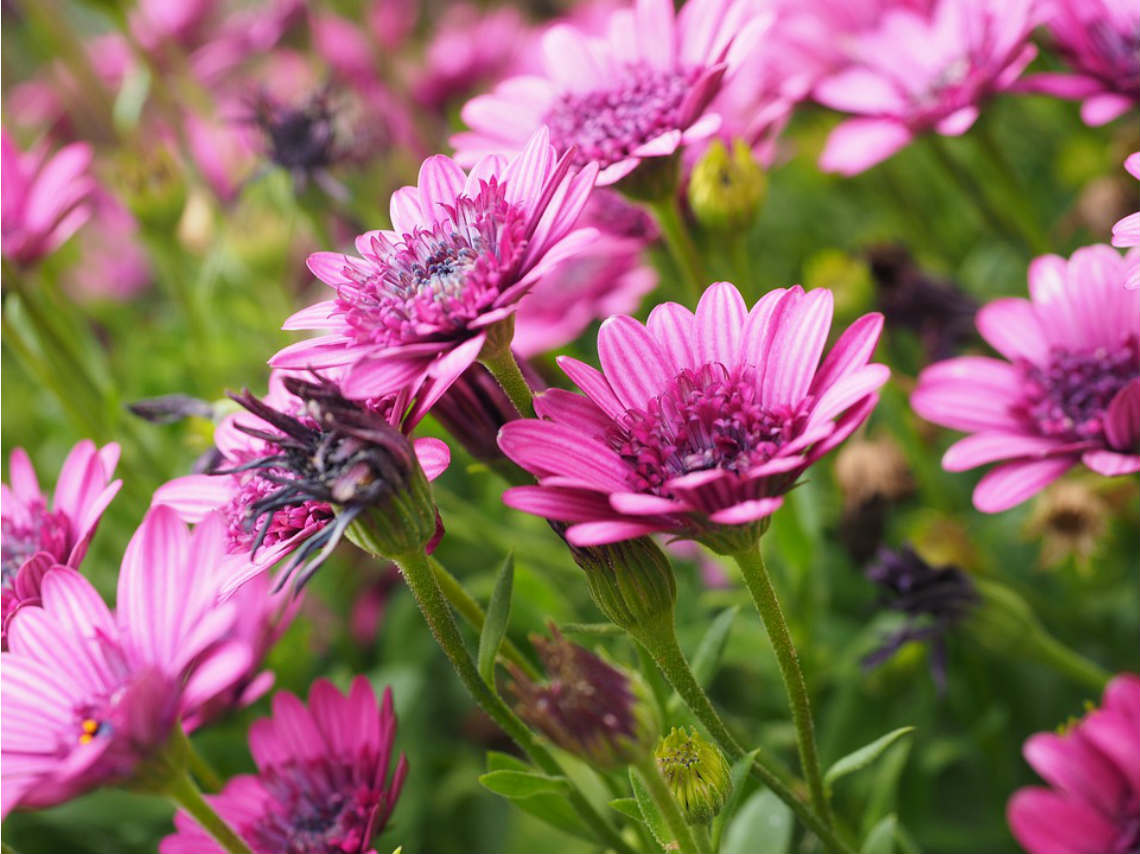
44	531
608	125
708	419
1068	398
300	139
253	488
438	279
318	806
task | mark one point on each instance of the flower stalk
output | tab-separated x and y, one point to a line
679	242
182	791
500	361
683	840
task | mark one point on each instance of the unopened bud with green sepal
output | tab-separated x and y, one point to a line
697	774
726	188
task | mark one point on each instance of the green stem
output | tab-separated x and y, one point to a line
1052	652
184	793
500	361
751	563
202	770
472	612
667	806
680	244
422	582
661	643
702	838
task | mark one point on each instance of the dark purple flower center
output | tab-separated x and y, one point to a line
1068	398
318	805
607	125
289	521
708	419
45	531
438	279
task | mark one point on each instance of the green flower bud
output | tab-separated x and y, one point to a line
631	582
697	774
152	186
726	190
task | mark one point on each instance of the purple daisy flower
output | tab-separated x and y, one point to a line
641	91
698	423
417	305
1069	392
322	781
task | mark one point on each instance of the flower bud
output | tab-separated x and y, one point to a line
697	774
587	707
726	190
152	186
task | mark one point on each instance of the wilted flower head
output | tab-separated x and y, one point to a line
300	138
1092	803
419	302
934	599
1100	39
1069	520
697	424
916	74
44	198
322	782
587	707
1070	392
641	91
89	695
36	536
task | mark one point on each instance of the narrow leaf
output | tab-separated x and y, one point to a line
495	623
764	823
864	756
649	812
523	784
881	839
628	807
707	657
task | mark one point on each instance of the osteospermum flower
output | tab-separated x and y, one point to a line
916	74
1069	392
418	303
697	424
89	695
1100	39
640	92
1092	805
43	201
36	536
285	463
1126	233
322	781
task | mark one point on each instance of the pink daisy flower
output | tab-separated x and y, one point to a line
417	305
322	781
698	423
44	199
1069	392
641	91
1100	39
89	694
1093	768
35	538
263	525
916	74
1126	233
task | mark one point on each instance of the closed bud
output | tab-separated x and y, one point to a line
697	774
152	186
726	189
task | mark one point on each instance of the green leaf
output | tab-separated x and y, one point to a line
550	807
628	807
764	823
711	648
523	784
495	623
498	761
649	812
864	756
881	839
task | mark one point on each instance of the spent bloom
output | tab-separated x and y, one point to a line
1068	391
89	694
288	463
37	536
1100	39
1092	803
916	73
640	91
322	781
418	303
697	424
44	198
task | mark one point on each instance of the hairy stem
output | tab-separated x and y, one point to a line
202	770
663	799
503	367
184	793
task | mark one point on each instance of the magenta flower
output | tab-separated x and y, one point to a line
696	422
1093	768
640	92
916	74
44	199
89	694
1069	392
1100	39
261	530
322	781
1126	233
416	306
35	538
